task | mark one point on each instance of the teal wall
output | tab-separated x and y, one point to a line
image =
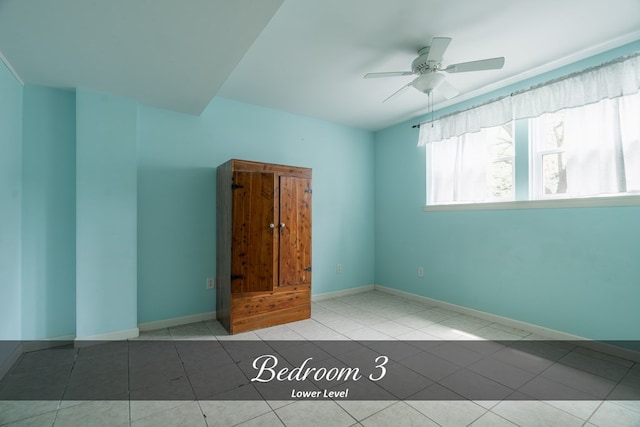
107	219
11	99
177	159
108	208
48	213
106	214
573	270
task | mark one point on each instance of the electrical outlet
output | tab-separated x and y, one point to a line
211	283
420	272
339	268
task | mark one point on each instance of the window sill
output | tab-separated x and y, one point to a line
586	202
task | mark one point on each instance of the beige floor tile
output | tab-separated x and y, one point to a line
94	414
398	415
144	408
14	410
270	419
449	412
187	415
360	409
314	413
228	413
490	419
610	414
580	408
42	420
535	414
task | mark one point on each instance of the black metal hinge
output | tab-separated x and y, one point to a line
236	186
307	269
308	190
237	276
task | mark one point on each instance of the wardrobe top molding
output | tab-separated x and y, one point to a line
252	166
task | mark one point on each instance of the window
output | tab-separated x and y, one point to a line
587	151
474	167
581	140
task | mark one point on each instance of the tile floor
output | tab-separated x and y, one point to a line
376	315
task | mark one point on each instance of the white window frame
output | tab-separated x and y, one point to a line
536	166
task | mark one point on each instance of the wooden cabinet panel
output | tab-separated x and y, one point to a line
263	245
253	245
295	231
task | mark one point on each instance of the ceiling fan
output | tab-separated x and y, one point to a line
427	66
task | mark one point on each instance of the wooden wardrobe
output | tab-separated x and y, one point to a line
263	245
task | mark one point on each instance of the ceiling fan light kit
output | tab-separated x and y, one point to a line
427	83
427	66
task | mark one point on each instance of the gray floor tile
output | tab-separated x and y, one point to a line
597	366
456	353
594	385
475	386
502	373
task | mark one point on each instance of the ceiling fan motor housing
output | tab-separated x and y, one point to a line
421	64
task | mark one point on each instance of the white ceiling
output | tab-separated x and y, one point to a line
303	56
173	54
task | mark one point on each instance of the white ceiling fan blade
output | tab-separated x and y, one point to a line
483	64
438	46
398	92
448	90
388	74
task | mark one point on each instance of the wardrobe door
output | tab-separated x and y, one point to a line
253	245
295	231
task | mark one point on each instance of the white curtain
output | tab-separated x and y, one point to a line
609	81
467	157
587	87
603	147
492	114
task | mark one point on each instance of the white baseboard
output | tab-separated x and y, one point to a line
343	293
176	321
109	336
517	324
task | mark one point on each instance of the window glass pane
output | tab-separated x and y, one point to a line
554	173
500	179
